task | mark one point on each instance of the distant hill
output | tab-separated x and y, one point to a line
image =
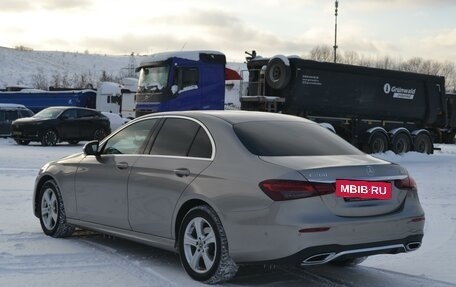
24	67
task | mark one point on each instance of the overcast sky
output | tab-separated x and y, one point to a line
398	28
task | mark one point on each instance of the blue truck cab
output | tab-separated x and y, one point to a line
185	80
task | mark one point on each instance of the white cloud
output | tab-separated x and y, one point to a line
15	6
395	4
271	27
64	4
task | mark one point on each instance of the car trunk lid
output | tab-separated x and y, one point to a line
360	168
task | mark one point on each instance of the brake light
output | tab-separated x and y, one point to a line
407	183
279	190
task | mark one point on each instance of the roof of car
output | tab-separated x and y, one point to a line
70	107
12	106
233	116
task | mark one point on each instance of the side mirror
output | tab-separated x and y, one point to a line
91	148
174	89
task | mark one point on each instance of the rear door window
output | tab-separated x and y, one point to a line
86	114
201	146
182	137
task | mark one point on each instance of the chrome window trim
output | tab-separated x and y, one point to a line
165	117
200	124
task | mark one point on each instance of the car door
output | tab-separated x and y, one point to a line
87	124
101	181
68	127
181	150
4	124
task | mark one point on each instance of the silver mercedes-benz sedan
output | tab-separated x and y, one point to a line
224	188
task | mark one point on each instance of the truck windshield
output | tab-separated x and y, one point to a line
153	78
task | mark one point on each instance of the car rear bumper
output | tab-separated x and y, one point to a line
304	228
326	253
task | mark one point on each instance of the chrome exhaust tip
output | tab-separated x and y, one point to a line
412	246
319	258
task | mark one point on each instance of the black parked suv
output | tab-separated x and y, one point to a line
10	113
59	124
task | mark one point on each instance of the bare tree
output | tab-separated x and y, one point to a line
40	81
448	71
351	58
322	53
411	65
56	81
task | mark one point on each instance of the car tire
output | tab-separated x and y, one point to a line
22	142
203	247
49	138
348	261
99	134
52	211
423	143
278	74
401	143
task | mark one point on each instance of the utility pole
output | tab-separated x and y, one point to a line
335	33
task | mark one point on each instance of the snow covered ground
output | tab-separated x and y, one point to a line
29	258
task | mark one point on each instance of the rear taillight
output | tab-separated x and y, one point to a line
407	183
279	190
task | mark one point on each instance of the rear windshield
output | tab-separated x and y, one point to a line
283	138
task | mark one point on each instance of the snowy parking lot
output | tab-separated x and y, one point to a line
29	258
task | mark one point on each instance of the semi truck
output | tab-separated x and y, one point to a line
185	80
374	109
36	100
117	98
108	97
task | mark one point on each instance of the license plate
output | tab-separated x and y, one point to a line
363	189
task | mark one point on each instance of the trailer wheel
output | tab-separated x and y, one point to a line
378	143
401	143
423	143
278	74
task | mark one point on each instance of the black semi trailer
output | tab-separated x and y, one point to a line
374	109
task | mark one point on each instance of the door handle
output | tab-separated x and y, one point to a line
122	165
180	172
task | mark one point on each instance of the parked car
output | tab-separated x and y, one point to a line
59	124
9	113
223	188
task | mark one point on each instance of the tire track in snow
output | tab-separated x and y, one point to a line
133	267
316	278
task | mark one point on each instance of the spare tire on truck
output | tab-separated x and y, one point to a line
278	72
